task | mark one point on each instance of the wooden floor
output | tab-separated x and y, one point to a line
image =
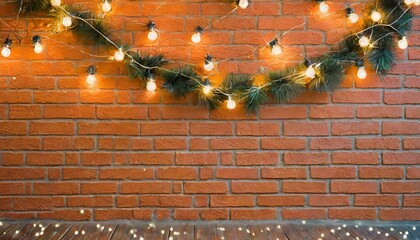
56	231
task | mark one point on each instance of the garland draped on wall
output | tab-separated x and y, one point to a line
386	23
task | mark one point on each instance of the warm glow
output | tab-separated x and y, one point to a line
416	2
208	66
106	7
207	89
56	3
67	22
151	85
276	50
196	38
403	43
152	35
119	55
408	2
353	17
38	48
91	79
323	7
361	73
364	41
6	51
376	16
243	4
231	104
310	72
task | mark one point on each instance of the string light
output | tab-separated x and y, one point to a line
152	35
352	15
207	88
364	41
106	7
151	84
416	2
361	71
36	42
230	104
403	43
275	47
56	3
91	78
310	70
242	3
119	55
66	21
323	6
376	16
196	37
408	2
6	50
208	64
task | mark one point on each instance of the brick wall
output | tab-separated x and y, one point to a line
119	152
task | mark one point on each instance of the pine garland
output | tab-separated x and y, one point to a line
280	85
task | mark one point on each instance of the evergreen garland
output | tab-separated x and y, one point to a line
281	85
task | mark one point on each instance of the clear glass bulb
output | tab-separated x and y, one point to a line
208	66
276	50
310	72
403	43
91	79
323	7
207	89
376	16
361	73
67	22
408	2
243	4
353	17
6	51
38	48
151	85
231	104
56	3
152	35
106	7
119	55
364	41
196	38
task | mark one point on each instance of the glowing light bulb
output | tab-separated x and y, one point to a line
196	38
416	2
353	17
67	22
323	7
209	66
408	2
106	7
243	4
56	3
364	41
91	79
6	51
361	73
376	16
151	85
231	104
38	48
119	55
207	89
310	72
403	43
152	35
276	50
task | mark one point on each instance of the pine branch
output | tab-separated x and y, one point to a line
331	74
180	82
286	84
255	97
135	71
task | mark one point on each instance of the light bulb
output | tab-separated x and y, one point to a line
196	38
323	7
416	2
67	22
119	55
243	4
408	2
207	89
152	35
364	41
310	72
38	48
151	85
353	17
276	50
208	66
106	7
403	43
56	3
361	73
91	79
231	104
376	16
6	51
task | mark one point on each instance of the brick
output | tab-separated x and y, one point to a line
379	112
314	158
145	187
352	214
204	187
37	203
305	129
157	129
196	158
400	128
56	188
413	173
253	214
283	143
376	200
66	214
121	112
108	128
328	200
44	159
387	143
328	112
257	129
214	214
69	112
12	128
176	173
79	173
400	187
401	158
333	172
131	173
283	173
357	97
165	201
303	213
399	214
16	173
251	159
170	144
51	128
254	187
12	188
232	201
186	214
237	173
355	128
154	158
91	201
411	143
303	187
381	172
233	143
331	143
269	112
353	187
280	201
411	201
25	112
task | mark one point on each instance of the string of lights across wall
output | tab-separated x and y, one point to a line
383	22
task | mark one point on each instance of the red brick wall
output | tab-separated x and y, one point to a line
119	152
